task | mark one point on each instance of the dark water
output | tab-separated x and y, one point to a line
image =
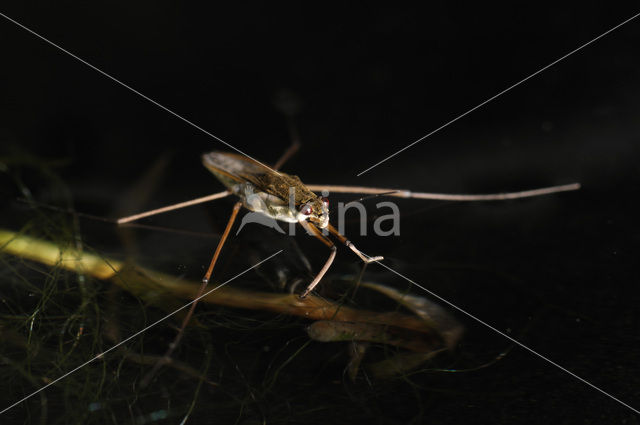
557	273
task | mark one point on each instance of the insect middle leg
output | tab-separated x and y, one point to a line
402	193
128	219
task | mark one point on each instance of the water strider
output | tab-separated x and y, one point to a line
284	197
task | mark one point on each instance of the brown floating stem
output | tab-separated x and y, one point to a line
147	284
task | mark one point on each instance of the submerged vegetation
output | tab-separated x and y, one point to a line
69	306
95	326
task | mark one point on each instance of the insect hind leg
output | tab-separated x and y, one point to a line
288	104
167	356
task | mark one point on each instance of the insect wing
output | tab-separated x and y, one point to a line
232	169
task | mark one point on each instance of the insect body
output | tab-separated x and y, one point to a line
278	195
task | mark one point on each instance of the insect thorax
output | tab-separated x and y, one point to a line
265	203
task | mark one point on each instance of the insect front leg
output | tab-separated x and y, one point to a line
309	227
351	246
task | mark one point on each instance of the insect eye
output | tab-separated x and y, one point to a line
325	201
306	209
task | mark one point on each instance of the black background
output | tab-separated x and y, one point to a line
558	272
